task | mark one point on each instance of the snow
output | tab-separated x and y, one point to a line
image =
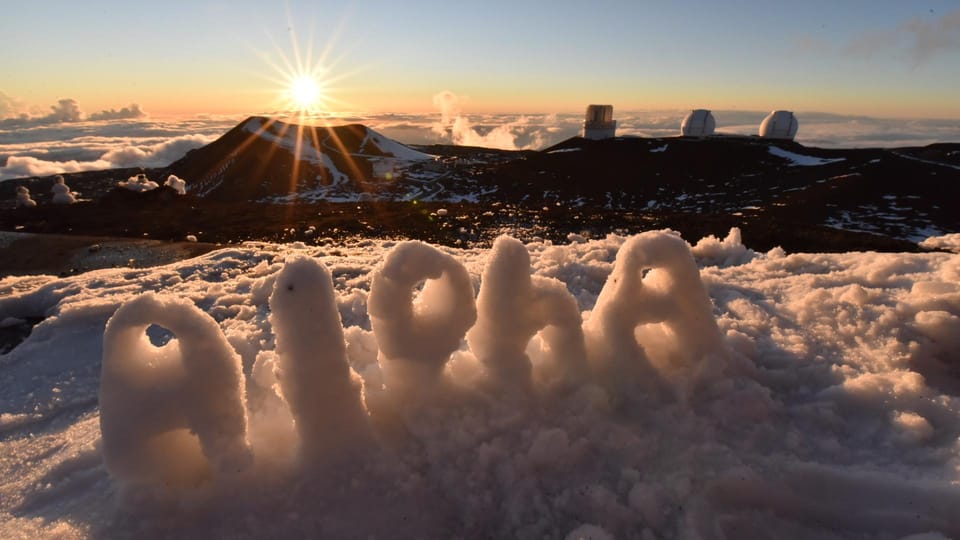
313	370
170	415
799	160
177	184
949	242
927	161
23	198
61	192
138	183
380	389
397	150
417	335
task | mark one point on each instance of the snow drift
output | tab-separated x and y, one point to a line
620	387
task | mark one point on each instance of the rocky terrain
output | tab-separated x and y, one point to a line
268	180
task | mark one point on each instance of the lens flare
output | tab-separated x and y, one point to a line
305	93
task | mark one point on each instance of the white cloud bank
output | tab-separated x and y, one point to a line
128	155
65	111
66	140
292	391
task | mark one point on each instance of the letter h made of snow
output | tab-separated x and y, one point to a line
512	307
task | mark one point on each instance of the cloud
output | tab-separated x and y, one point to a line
918	40
143	142
931	38
457	128
96	145
20	166
65	111
9	106
126	113
157	155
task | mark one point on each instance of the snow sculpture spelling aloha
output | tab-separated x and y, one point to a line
655	283
176	415
513	306
61	191
170	414
417	336
23	198
322	391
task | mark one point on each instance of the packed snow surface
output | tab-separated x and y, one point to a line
610	388
949	242
800	160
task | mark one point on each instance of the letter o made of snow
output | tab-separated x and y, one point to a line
169	414
420	332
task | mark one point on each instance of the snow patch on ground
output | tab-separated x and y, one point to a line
719	393
800	160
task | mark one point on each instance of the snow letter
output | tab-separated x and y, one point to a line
654	280
417	335
168	414
513	306
321	389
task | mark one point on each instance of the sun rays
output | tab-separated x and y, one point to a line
305	103
305	92
305	79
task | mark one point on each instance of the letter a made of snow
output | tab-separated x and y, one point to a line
418	335
512	307
323	392
654	285
171	415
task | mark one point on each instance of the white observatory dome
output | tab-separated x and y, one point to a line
699	123
779	125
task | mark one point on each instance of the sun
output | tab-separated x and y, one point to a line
305	92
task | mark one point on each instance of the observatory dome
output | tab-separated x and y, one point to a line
699	123
779	125
599	123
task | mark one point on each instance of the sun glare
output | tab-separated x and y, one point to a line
304	81
305	92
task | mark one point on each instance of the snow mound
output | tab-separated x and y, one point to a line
23	198
949	242
710	251
605	388
177	184
138	184
61	192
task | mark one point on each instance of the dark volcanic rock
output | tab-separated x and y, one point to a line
264	159
350	180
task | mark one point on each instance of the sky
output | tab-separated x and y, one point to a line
887	59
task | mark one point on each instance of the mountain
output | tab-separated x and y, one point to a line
267	160
266	177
